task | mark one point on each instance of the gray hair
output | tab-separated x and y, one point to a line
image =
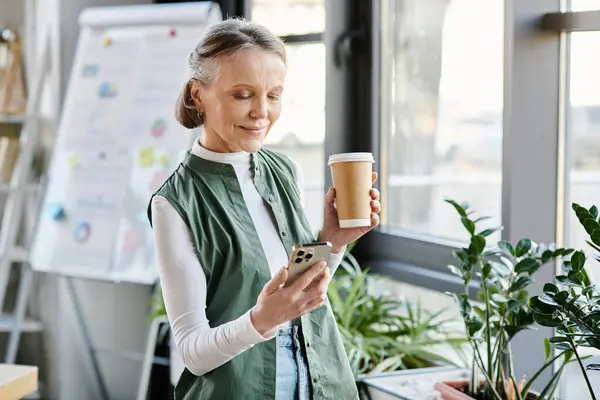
224	38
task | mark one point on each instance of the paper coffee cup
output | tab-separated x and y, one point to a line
352	180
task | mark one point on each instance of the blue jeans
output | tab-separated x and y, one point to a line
293	380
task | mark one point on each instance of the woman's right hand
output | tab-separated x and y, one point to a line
277	304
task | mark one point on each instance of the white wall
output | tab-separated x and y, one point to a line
115	313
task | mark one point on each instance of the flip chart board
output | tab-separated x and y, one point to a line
118	139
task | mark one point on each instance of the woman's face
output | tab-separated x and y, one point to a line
241	106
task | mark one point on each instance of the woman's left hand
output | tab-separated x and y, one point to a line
331	231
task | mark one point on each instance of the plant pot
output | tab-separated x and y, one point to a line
457	390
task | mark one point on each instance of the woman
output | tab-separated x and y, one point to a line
224	223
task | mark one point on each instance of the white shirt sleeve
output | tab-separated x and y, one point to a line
335	259
183	285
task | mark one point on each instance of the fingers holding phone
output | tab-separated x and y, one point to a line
304	256
322	279
277	303
297	289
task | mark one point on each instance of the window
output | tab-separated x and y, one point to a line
583	141
582	164
300	131
585	5
441	114
290	17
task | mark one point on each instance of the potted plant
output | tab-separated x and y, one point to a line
574	307
504	271
383	333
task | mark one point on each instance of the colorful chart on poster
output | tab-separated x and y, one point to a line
118	140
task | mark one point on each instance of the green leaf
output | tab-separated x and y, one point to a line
565	280
559	339
569	355
514	305
593	367
523	246
474	324
546	320
470	225
500	268
458	207
590	225
478	242
576	277
528	265
539	307
561	346
462	300
455	270
561	297
595	236
594	342
547	256
506	246
467	276
577	260
485	271
521	283
547	348
498	298
547	299
594	211
563	252
461	254
488	232
588	291
550	288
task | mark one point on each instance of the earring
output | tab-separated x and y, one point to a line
199	114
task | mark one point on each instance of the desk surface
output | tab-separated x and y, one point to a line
17	381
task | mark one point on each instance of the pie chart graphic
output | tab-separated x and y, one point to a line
81	232
159	126
107	90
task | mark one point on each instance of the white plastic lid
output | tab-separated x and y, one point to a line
345	157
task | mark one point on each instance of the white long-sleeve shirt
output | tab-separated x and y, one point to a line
183	282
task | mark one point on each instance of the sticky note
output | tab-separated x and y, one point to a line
73	162
163	160
146	157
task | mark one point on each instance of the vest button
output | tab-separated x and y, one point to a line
307	344
271	199
284	233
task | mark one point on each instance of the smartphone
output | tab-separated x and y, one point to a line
304	256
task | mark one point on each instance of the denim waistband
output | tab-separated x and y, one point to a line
289	337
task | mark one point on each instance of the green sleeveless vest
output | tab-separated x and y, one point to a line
208	197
